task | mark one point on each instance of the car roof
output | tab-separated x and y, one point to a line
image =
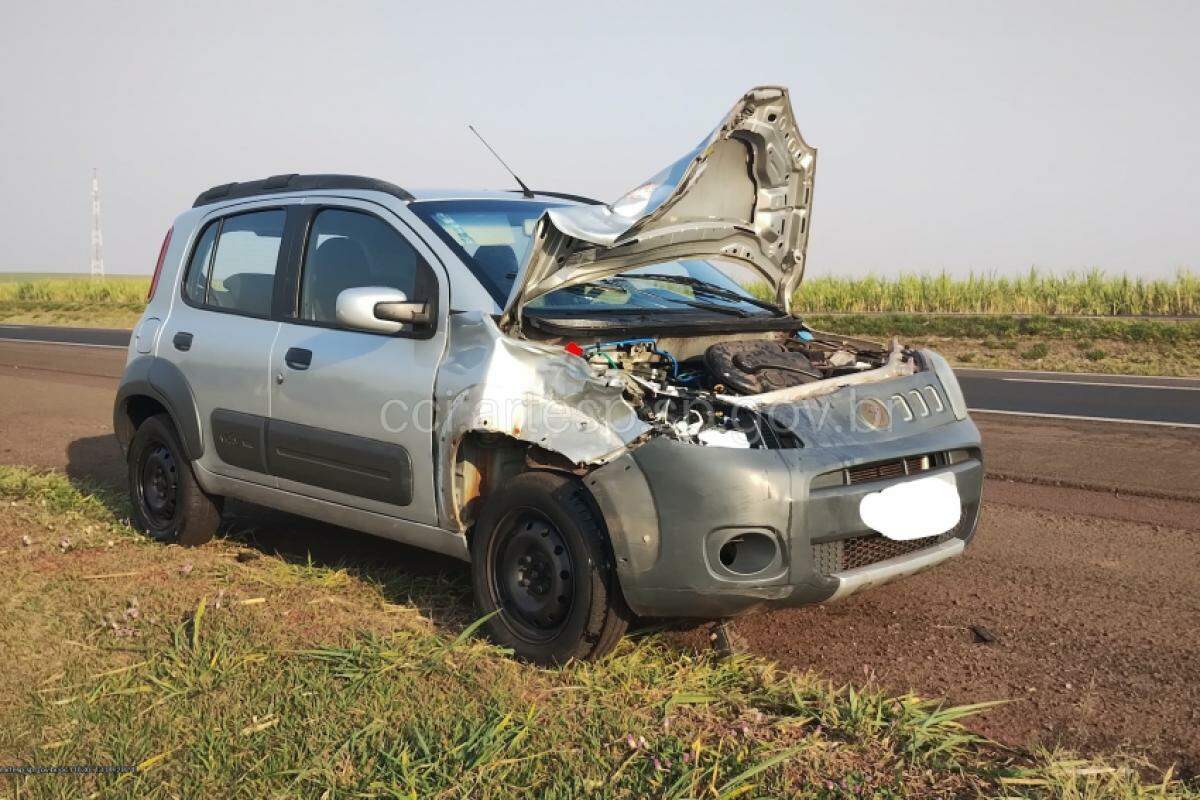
285	184
426	193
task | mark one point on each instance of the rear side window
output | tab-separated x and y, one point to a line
349	249
233	264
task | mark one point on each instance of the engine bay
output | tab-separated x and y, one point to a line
685	386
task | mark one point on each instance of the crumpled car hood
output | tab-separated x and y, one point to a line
743	194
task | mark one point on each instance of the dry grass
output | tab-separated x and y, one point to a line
114	302
1117	346
117	301
296	679
113	291
1094	293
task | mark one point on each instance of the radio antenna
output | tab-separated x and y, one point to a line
525	190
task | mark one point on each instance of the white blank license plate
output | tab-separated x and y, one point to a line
913	509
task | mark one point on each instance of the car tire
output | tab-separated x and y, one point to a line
543	568
167	502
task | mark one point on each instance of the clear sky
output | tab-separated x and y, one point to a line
956	135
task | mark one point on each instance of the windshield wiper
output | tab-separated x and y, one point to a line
663	295
705	286
671	297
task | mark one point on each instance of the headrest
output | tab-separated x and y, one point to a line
340	256
498	262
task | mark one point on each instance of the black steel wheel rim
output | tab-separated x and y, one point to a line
531	575
158	485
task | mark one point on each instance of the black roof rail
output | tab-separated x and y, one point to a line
578	198
297	183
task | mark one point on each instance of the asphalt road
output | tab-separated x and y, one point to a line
99	337
1142	400
1068	395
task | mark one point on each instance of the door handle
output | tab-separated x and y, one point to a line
182	341
298	358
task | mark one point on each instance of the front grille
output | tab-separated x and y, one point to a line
861	551
884	470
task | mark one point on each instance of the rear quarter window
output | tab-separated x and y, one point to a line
196	283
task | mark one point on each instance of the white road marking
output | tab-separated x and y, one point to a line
1117	385
1087	419
968	370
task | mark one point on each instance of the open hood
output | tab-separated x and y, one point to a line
743	194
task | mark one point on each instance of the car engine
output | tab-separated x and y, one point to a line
682	386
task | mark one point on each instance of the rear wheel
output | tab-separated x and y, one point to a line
167	502
541	563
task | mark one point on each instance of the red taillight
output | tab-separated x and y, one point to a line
162	255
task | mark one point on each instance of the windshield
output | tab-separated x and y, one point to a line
492	237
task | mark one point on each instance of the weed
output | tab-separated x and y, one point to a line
215	694
1093	292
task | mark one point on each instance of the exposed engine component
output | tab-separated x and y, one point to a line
640	357
690	397
754	367
841	358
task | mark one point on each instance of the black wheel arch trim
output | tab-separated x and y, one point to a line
163	382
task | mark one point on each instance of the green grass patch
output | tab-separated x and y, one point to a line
115	301
1006	328
1069	344
118	300
120	291
1037	351
1036	292
207	672
18	277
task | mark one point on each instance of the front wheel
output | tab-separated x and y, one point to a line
542	565
167	502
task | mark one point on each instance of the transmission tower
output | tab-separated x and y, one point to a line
97	237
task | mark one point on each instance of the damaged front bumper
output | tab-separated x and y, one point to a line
711	533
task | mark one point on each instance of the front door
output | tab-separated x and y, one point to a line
351	412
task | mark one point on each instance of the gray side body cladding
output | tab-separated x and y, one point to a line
353	465
349	464
160	380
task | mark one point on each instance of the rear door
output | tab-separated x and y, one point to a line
352	412
220	332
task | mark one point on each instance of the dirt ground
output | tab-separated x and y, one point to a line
1095	619
1116	356
1090	586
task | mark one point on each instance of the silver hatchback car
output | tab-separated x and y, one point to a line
608	410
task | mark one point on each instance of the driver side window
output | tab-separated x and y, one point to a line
348	249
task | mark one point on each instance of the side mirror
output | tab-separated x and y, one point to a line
380	309
404	312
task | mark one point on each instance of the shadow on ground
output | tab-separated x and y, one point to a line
437	585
